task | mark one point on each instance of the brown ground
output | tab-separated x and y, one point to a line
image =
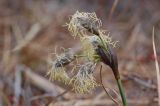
30	30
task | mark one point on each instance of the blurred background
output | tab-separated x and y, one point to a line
31	29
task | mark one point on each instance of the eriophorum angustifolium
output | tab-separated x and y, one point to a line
80	25
83	81
81	22
57	70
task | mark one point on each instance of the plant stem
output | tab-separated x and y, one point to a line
116	74
121	90
105	88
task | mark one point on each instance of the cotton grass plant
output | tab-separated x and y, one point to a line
97	46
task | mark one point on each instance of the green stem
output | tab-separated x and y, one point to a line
121	90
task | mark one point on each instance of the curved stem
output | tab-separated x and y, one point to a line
121	90
105	88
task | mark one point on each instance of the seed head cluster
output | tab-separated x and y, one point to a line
83	81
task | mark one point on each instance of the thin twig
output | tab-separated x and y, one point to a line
140	81
49	95
60	95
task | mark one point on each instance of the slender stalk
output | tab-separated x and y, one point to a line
116	102
112	61
157	66
121	90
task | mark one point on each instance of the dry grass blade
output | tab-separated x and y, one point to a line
113	9
29	37
49	95
41	82
17	85
157	66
